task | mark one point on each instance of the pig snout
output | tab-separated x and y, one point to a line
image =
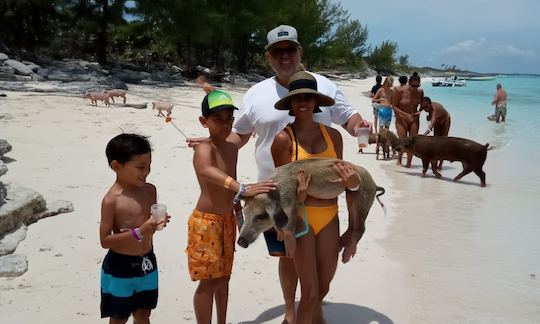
243	242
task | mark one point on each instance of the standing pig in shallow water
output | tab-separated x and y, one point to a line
433	148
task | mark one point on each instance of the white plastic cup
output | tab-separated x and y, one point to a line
159	212
362	134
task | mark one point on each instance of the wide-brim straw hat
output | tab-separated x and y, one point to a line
303	82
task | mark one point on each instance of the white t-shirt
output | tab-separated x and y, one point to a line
258	115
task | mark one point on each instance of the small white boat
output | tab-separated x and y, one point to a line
480	78
447	82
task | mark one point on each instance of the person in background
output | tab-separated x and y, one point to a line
405	104
500	104
439	120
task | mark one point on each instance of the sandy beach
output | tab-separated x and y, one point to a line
58	150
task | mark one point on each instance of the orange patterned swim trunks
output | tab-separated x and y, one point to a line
211	240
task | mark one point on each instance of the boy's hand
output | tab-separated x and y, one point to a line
148	227
164	221
259	187
303	183
194	141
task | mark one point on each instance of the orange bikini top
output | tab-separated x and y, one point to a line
298	153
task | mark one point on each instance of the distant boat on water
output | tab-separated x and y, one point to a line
448	82
479	78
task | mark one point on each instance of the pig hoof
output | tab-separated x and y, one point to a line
438	175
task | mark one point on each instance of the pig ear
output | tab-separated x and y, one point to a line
279	218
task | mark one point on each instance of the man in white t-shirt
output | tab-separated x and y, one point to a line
257	114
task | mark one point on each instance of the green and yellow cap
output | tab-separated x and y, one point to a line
215	101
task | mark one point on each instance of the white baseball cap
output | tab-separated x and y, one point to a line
281	33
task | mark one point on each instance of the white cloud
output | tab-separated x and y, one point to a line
480	48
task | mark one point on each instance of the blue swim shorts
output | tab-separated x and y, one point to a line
128	283
385	116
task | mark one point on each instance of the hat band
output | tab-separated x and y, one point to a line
303	84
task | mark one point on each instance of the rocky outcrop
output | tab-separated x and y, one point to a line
22	203
20	68
13	265
4	147
20	207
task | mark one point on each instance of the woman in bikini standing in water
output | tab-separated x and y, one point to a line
405	104
316	254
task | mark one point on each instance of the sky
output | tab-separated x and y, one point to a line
476	35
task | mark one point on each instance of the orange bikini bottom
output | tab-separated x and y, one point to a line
320	216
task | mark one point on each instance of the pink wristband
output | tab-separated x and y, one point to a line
135	234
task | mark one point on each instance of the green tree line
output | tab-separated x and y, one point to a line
223	34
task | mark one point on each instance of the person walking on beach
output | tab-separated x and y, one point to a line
383	98
438	117
500	104
316	255
378	85
212	225
405	104
283	53
129	274
402	82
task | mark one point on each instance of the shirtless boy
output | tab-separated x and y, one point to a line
212	225
129	276
405	103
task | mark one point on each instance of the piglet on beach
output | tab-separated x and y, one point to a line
116	93
162	106
95	96
472	155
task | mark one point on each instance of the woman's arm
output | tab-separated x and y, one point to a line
281	149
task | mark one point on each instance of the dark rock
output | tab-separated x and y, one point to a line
81	77
60	76
37	77
32	65
23	78
7	73
19	67
128	77
161	76
3	194
4	147
44	72
3	168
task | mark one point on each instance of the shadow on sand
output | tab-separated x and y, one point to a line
428	175
334	313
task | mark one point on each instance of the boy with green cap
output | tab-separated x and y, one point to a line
212	225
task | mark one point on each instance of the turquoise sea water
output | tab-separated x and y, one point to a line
472	253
